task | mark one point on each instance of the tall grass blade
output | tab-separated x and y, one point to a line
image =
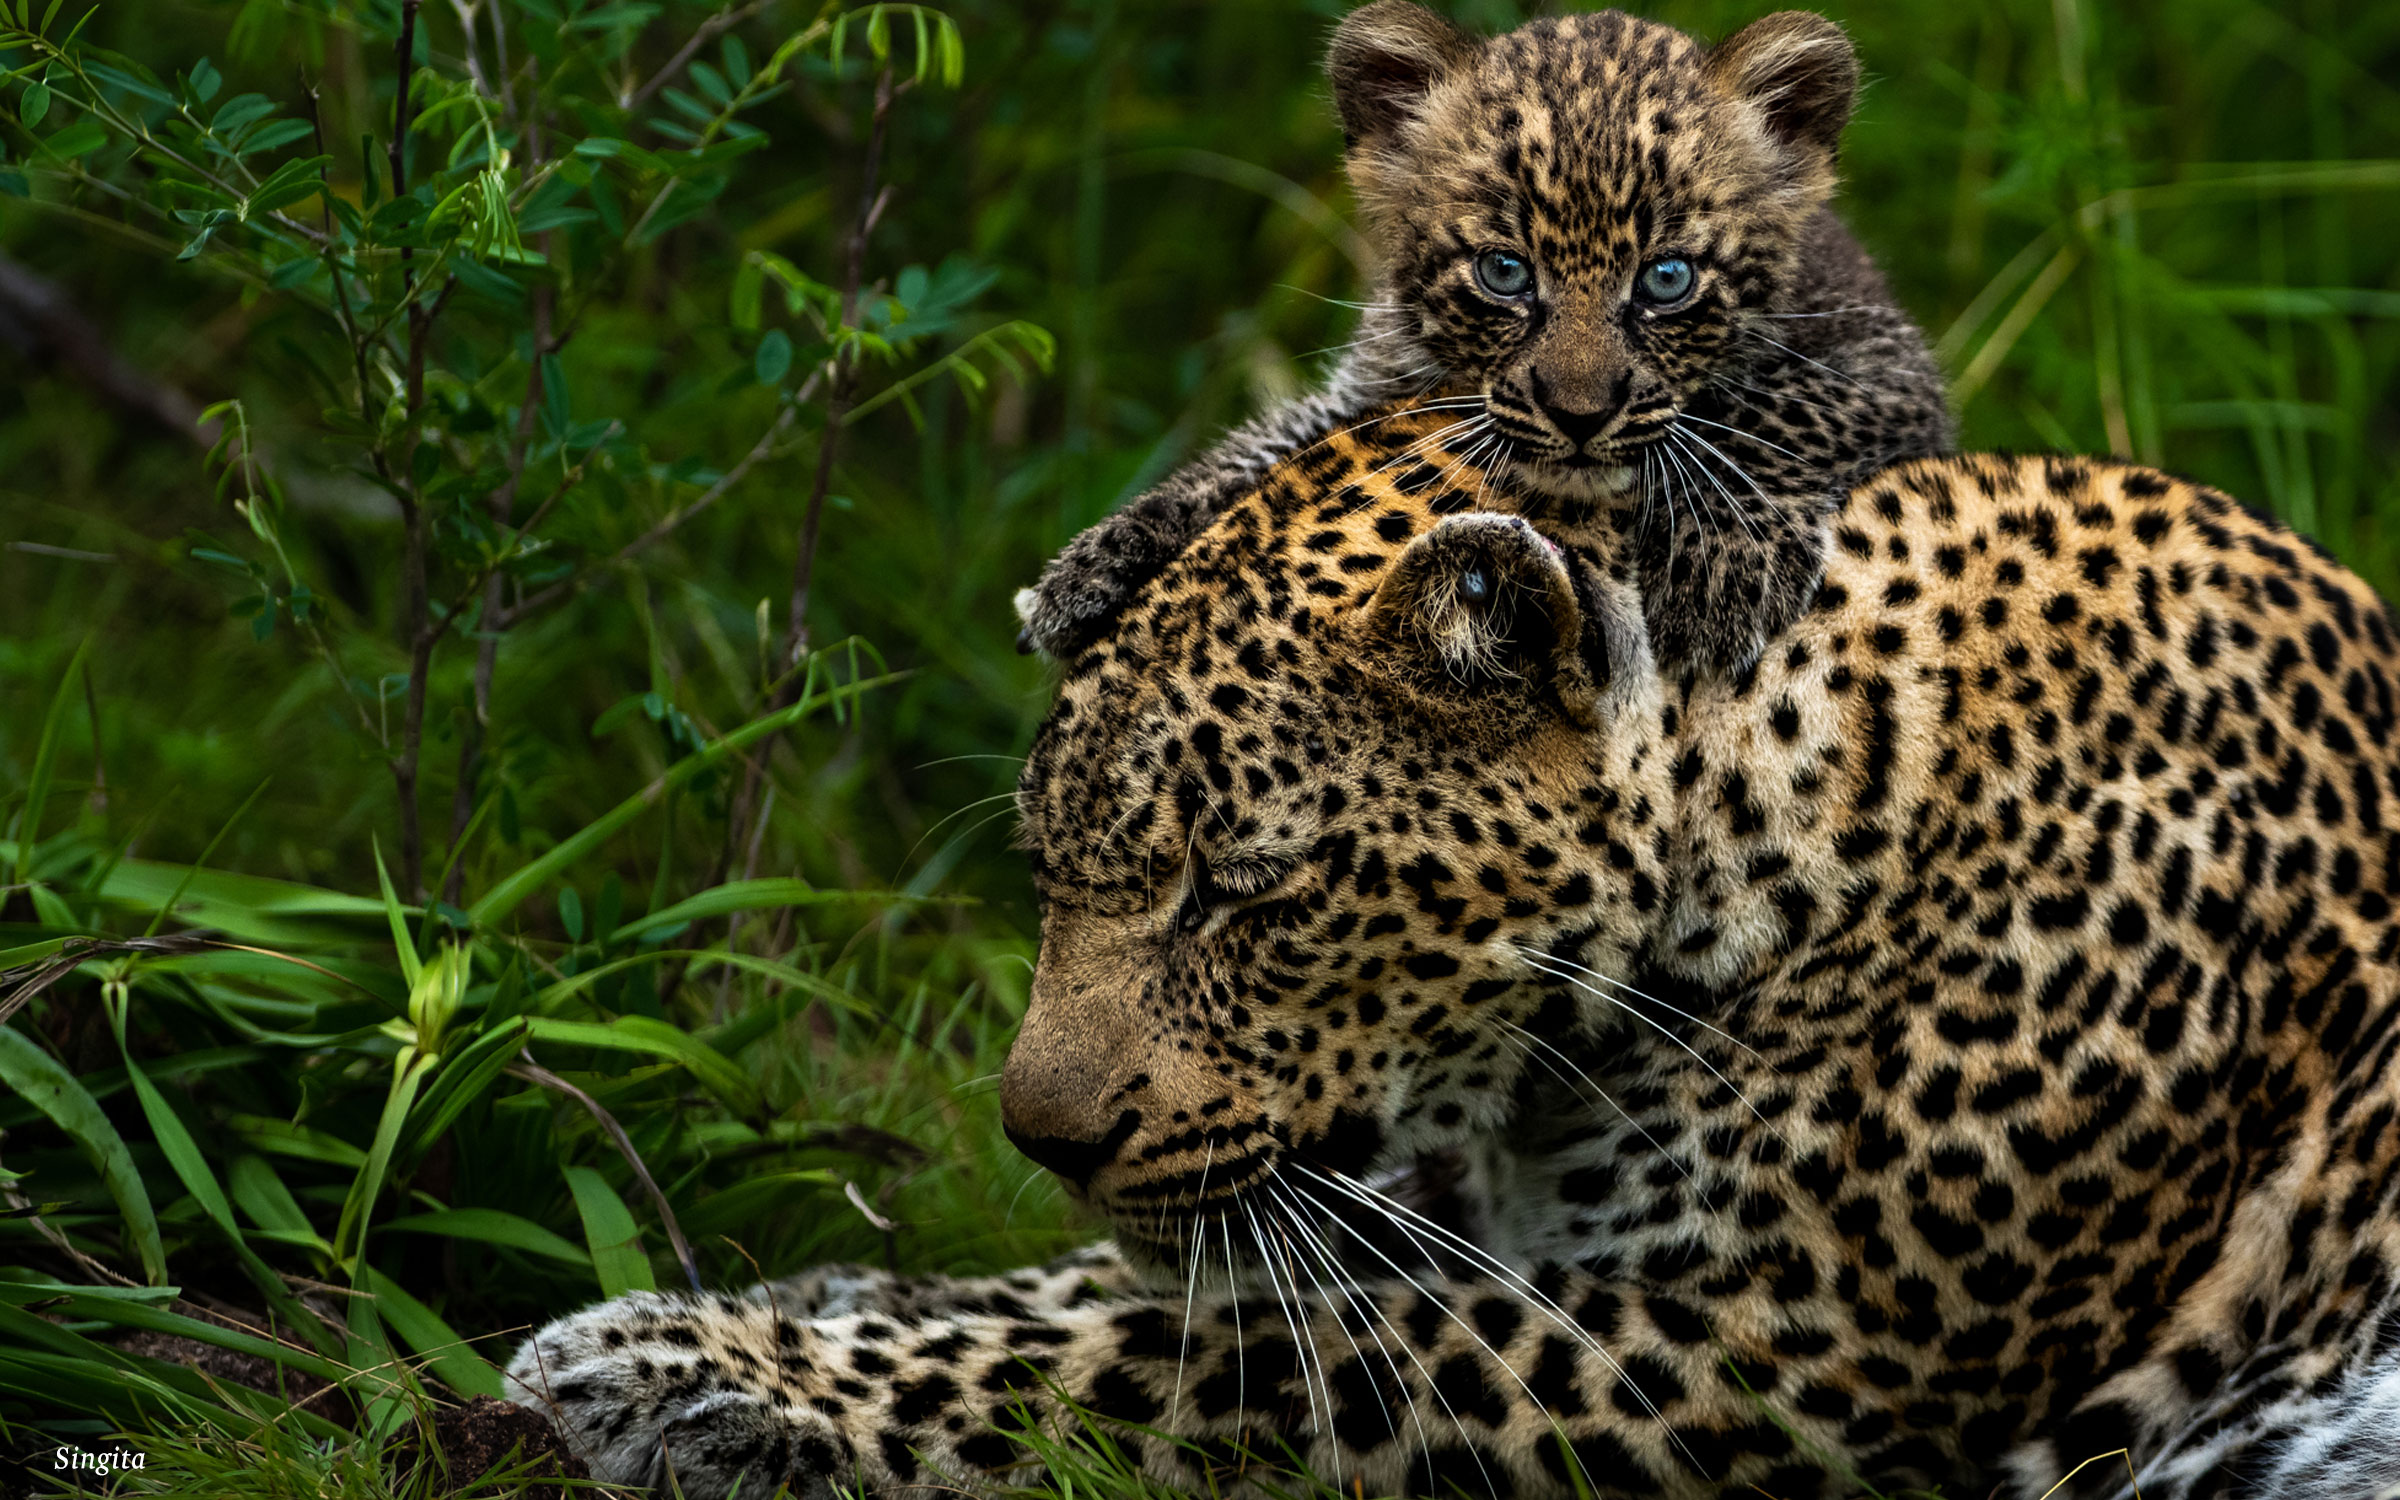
36	1077
45	755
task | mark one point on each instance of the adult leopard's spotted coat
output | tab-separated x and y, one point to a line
1955	1049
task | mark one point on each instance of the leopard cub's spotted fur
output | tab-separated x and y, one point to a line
1589	151
1963	1046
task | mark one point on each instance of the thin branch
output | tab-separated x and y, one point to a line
22	1206
40	322
710	29
502	506
763	448
533	1072
872	199
437	628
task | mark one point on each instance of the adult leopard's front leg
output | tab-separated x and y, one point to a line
1402	1387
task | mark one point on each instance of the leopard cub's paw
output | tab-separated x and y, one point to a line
1715	601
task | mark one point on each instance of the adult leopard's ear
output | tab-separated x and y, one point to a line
1482	612
1384	60
1801	72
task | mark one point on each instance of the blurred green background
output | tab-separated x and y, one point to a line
2167	229
1159	185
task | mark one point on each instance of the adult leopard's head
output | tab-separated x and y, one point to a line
1314	829
1579	218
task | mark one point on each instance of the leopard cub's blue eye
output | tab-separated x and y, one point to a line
1503	274
1663	283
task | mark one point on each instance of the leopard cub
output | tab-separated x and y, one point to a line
1607	253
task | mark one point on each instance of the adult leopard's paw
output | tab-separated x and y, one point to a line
702	1392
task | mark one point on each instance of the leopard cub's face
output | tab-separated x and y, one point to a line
1308	829
1578	217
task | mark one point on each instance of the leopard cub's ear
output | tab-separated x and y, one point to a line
1801	72
1483	612
1384	60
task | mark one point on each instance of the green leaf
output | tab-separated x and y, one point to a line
285	1138
205	81
608	1228
626	13
468	1073
505	896
749	287
451	1357
279	133
350	1233
774	359
36	1077
493	1226
748	895
557	410
105	1305
270	1205
34	105
45	755
397	915
183	1153
82	138
238	111
657	1038
298	179
609	148
191	872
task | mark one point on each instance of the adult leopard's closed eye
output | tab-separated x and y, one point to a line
1958	1049
1605	252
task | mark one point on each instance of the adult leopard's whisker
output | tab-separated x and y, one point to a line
1191	1279
1266	1264
1431	1384
1713	1070
1615	983
1296	1218
1401	1216
1584	1080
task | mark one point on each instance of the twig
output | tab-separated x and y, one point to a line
502	506
437	628
543	598
711	28
71	554
533	1072
871	202
39	322
19	1202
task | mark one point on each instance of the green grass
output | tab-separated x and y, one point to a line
235	1075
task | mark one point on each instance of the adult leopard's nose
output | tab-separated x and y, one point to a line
1074	1159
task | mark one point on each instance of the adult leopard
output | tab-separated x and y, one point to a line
1958	1048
